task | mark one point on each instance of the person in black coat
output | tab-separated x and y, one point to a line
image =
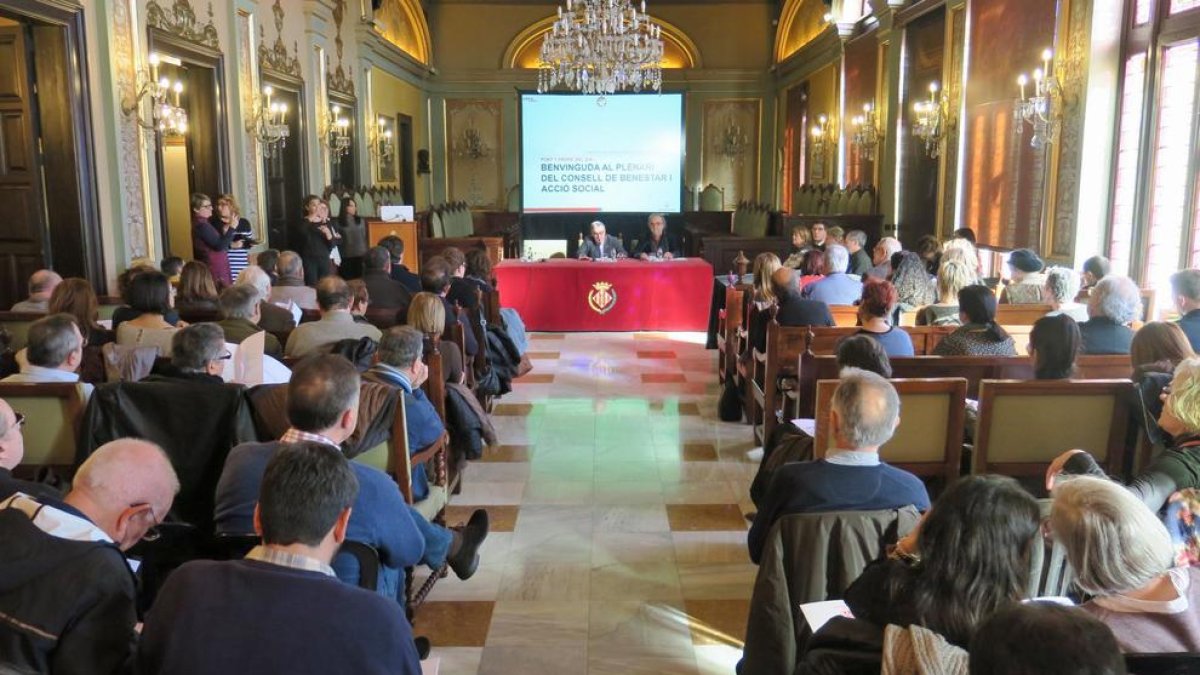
313	238
657	243
1115	302
793	310
395	246
385	292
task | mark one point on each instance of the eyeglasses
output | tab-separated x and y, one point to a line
152	532
20	420
224	357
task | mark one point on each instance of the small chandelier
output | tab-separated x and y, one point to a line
822	134
379	140
734	142
269	124
932	119
601	47
1042	111
470	145
337	133
164	116
866	132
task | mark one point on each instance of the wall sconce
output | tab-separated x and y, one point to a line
822	134
932	120
866	132
1042	111
734	142
336	134
470	145
268	124
161	115
380	140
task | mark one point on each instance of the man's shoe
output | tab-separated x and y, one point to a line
465	560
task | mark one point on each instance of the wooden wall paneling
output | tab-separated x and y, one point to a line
730	138
956	28
862	83
21	244
475	152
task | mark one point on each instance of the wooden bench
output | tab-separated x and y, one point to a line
17	324
924	338
729	320
845	316
785	344
55	411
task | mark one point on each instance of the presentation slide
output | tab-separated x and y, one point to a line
623	153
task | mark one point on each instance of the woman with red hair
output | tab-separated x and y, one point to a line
879	300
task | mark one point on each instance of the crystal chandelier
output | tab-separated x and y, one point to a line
822	134
470	145
601	47
931	121
163	116
379	139
337	133
866	132
1044	109
268	125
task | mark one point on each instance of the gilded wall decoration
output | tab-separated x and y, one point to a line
248	87
133	195
954	78
729	156
475	151
180	20
277	58
1073	69
341	78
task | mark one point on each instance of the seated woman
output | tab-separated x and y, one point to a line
953	276
150	297
874	312
1115	302
197	291
427	313
968	558
865	353
812	268
914	287
1059	291
75	296
479	269
979	334
1123	557
800	247
765	265
125	312
1026	278
360	300
929	253
1157	348
1054	346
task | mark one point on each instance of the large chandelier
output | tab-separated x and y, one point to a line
932	120
601	47
1043	110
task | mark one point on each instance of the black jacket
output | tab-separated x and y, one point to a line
305	239
66	607
385	292
793	311
668	244
409	280
1102	335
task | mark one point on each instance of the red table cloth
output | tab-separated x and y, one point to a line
628	295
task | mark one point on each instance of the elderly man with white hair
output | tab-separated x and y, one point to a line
838	287
273	319
1059	291
600	246
1114	304
881	257
41	285
66	592
864	414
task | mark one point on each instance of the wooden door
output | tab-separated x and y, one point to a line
284	173
21	241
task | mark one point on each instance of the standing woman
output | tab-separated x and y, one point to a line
353	247
210	243
228	213
313	239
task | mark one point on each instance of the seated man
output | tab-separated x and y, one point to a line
1115	302
436	278
323	408
837	288
275	319
385	292
336	324
198	354
53	353
12	451
67	599
240	315
41	286
395	246
398	364
280	610
793	310
657	243
881	257
599	245
860	260
290	288
1185	286
461	291
864	414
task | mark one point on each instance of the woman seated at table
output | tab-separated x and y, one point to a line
979	334
150	298
953	276
427	313
1054	345
197	292
878	301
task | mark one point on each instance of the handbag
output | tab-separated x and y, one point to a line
729	406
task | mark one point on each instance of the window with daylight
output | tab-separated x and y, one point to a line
1128	144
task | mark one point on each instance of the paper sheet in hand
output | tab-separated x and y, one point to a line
817	614
807	425
248	369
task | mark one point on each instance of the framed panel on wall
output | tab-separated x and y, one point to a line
474	152
729	156
385	162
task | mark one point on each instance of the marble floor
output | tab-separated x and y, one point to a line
618	540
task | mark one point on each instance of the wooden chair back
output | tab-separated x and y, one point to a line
844	315
1023	425
729	320
1020	315
55	411
929	439
785	344
17	324
435	384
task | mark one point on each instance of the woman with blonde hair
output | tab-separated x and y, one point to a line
226	212
765	265
953	275
427	313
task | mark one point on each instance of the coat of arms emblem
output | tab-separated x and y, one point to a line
602	297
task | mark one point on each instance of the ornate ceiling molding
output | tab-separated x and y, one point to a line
180	20
341	79
277	58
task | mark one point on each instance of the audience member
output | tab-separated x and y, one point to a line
53	353
838	234
864	413
881	256
211	240
229	214
313	239
793	310
126	312
75	296
764	267
1158	347
819	237
929	253
812	268
599	245
172	266
1185	287
865	353
952	277
800	247
149	297
41	286
291	286
979	334
964	251
874	315
860	260
395	246
12	451
273	318
67	595
360	300
1115	302
1123	558
280	610
1095	268
837	288
336	324
1060	290
386	292
267	259
427	314
198	354
462	292
353	230
241	312
656	243
965	233
197	292
1044	638
914	285
1026	278
479	269
1053	346
435	278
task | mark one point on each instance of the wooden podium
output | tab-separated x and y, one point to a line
407	231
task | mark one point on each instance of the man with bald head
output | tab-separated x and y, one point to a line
791	308
333	296
66	592
41	285
863	415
